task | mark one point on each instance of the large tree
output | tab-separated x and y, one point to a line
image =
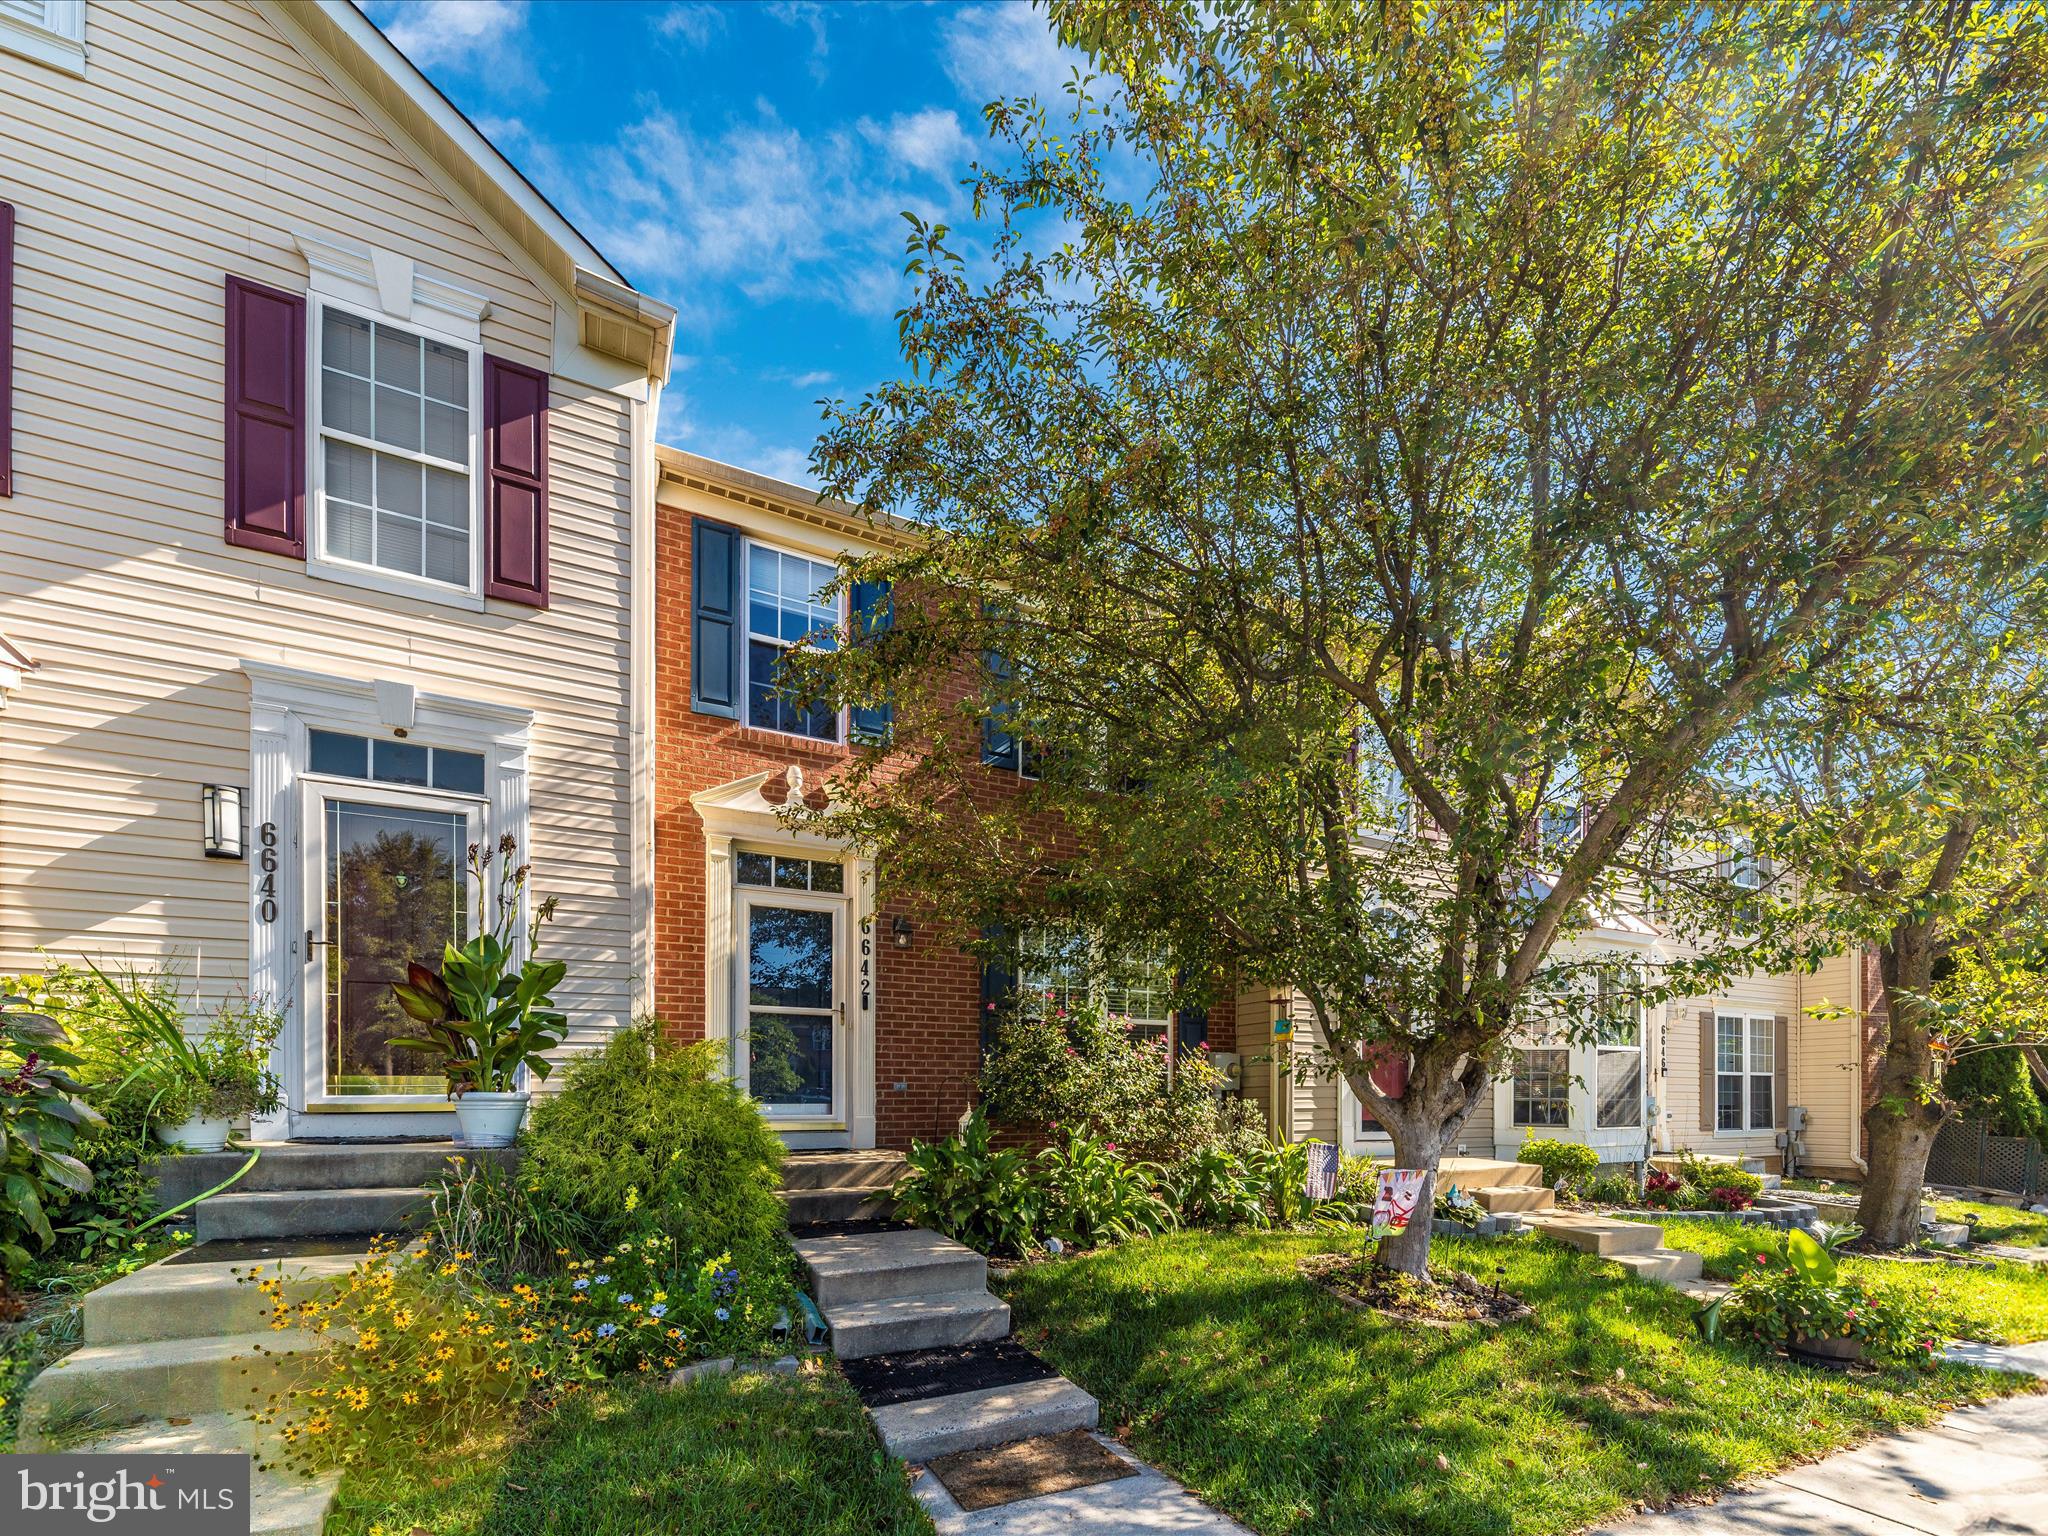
1432	429
1910	794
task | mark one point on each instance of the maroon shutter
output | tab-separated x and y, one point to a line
266	419
1389	1074
516	488
6	349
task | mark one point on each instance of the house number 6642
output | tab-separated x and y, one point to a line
266	863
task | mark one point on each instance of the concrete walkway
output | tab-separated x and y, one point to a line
1980	1470
1149	1504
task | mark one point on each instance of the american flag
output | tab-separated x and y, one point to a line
1322	1171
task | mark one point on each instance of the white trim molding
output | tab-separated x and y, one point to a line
391	283
15	666
58	39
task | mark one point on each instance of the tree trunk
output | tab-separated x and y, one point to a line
1443	1086
1416	1145
1900	1123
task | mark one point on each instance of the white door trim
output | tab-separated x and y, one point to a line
838	906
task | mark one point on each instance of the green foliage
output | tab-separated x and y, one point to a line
503	1218
972	1191
42	1114
170	1071
1213	1188
1611	1189
1093	1196
1078	1067
1569	1161
485	1014
1794	1291
1996	1086
646	1136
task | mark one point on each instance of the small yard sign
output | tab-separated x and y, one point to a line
1400	1189
1321	1183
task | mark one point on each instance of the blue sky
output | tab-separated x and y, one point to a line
747	162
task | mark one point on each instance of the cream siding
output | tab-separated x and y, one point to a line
195	145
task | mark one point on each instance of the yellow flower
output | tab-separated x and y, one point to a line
432	1376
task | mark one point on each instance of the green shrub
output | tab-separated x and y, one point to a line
1611	1189
504	1219
1092	1196
1213	1188
1996	1086
41	1114
1566	1160
972	1191
646	1137
1702	1177
1793	1290
1081	1068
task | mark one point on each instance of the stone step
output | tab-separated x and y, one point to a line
1596	1235
116	1384
281	1503
1466	1172
855	1203
871	1266
973	1421
894	1323
281	1213
1514	1197
197	1300
1667	1266
300	1165
870	1168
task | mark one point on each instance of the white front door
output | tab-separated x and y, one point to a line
791	1010
386	883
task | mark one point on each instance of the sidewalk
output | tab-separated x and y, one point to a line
1982	1469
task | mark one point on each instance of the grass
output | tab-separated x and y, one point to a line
1995	1223
2003	1304
737	1454
1300	1417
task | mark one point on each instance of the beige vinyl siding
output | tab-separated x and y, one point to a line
1827	1068
194	146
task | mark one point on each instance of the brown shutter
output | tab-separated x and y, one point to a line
516	482
266	419
1709	1088
1781	1060
6	349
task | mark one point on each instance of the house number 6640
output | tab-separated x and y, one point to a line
266	862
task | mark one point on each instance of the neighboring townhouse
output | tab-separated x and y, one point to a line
326	532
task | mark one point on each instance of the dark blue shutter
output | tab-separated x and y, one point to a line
998	746
874	611
1194	1028
998	982
716	627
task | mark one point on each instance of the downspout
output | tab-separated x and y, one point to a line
641	663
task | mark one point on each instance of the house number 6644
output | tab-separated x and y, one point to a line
266	863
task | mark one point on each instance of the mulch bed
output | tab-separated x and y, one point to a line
917	1374
1028	1469
1443	1302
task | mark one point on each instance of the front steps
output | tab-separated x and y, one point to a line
174	1356
1637	1246
839	1186
895	1292
1513	1189
309	1189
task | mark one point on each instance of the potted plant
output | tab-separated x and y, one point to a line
1795	1296
487	1013
192	1088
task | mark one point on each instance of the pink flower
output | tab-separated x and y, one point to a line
1110	1146
1202	1044
1761	1259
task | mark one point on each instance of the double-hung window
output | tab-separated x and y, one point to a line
1059	967
1745	1072
1543	1086
396	466
785	610
1618	1051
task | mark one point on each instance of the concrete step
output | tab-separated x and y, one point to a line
196	1301
855	1203
1667	1266
870	1266
972	1421
890	1324
300	1165
1514	1197
1492	1173
309	1213
871	1168
280	1503
117	1384
1593	1234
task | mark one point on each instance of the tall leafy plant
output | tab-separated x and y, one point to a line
223	1071
41	1115
486	1013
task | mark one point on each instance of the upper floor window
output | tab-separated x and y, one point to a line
49	31
395	470
785	610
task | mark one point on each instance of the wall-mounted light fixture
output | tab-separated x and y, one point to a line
899	931
221	813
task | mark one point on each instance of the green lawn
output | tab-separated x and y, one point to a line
2005	1304
735	1456
1297	1415
1995	1223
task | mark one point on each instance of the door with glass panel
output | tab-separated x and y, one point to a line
388	884
792	927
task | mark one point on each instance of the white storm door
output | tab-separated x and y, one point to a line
792	956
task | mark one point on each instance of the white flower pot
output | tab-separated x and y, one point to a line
198	1134
490	1119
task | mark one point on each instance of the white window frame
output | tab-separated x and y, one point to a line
361	573
58	39
1754	1026
1639	1047
1521	1050
1097	981
840	718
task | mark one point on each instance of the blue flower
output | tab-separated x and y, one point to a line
722	1314
625	1296
604	1279
606	1330
659	1309
582	1285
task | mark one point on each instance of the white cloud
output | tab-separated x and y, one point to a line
692	23
931	140
474	37
1006	50
809	14
812	378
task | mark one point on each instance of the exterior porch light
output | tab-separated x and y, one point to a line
221	817
899	931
